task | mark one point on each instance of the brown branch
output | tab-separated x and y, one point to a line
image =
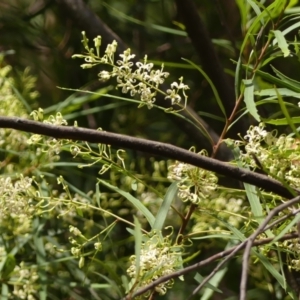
151	147
250	241
85	19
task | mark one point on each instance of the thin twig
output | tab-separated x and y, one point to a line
185	222
253	236
217	268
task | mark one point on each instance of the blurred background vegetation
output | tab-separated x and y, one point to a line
40	36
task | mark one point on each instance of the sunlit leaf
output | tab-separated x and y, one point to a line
249	99
282	44
283	121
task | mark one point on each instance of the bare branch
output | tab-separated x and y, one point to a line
252	237
151	147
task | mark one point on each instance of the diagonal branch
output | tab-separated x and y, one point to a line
250	241
151	147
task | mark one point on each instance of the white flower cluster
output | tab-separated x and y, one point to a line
157	258
279	157
293	247
194	184
53	146
25	282
17	202
137	79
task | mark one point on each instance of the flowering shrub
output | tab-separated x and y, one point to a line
105	234
158	257
142	81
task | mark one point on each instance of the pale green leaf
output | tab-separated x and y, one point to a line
199	278
165	206
283	92
282	44
287	228
283	121
286	113
137	245
214	281
249	99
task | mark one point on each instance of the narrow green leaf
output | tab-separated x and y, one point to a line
214	236
243	12
4	291
286	114
38	225
287	228
138	244
286	79
214	281
274	80
283	121
251	192
249	99
165	206
280	278
270	12
282	44
216	94
283	92
257	10
134	201
8	267
237	77
288	29
160	28
199	278
20	97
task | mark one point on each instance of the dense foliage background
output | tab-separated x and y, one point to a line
231	41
